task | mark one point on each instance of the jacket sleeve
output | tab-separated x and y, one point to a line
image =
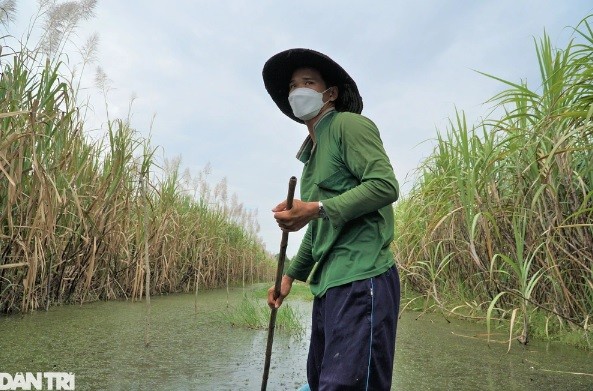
302	264
365	157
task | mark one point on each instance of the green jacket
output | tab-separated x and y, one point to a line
348	170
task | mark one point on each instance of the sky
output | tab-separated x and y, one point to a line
194	70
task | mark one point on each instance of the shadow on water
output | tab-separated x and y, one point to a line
103	344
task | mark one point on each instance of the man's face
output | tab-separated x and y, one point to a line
307	78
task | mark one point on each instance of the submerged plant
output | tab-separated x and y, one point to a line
255	314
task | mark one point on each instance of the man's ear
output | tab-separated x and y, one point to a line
333	93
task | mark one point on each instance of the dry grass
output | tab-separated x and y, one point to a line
75	224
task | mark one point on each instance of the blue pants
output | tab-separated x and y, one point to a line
353	335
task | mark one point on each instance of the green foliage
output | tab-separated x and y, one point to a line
502	211
254	313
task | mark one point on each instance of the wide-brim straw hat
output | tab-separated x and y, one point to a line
279	68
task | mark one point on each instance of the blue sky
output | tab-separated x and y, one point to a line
195	70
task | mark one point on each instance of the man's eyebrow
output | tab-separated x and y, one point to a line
303	78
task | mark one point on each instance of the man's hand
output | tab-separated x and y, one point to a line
285	286
297	217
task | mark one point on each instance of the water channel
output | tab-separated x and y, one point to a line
103	345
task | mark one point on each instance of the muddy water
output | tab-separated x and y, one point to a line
103	345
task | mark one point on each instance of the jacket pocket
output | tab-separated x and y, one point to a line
336	183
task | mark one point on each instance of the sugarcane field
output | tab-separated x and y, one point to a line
433	232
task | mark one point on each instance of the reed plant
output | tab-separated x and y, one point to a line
254	313
503	210
82	219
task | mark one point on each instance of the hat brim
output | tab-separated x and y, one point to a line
279	68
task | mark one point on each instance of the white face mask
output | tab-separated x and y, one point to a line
306	103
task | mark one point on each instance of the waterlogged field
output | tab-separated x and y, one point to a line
500	219
102	344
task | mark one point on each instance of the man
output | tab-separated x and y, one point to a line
347	188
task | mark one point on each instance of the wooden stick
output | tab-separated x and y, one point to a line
279	272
